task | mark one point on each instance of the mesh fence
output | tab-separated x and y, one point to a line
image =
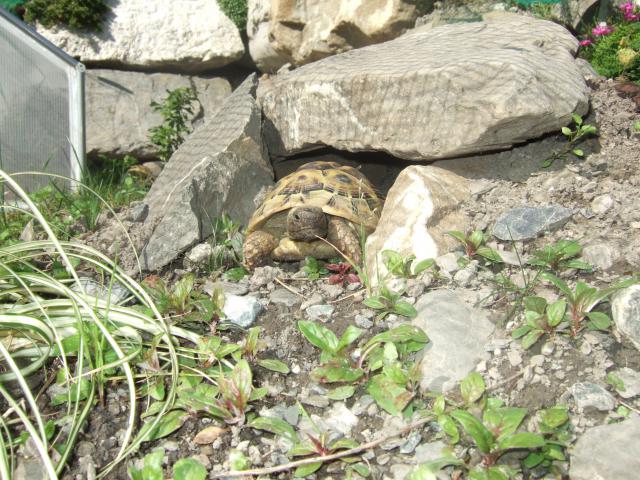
41	106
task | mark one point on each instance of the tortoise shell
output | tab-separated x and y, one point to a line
339	190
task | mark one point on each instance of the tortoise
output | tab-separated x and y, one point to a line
320	200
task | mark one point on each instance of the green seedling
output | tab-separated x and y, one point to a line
636	126
387	301
314	269
553	423
560	256
541	318
227	240
252	345
573	136
386	353
583	299
474	245
404	267
236	391
301	444
175	109
183	469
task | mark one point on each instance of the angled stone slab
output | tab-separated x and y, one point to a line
220	168
449	91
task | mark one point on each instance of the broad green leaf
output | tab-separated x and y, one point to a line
152	466
305	470
535	304
599	320
578	152
458	236
508	421
490	254
274	365
361	469
319	335
577	119
427	471
521	440
405	309
235	274
531	338
521	331
374	302
350	335
449	427
389	352
189	469
564	288
238	460
578	265
258	393
393	261
472	387
439	405
616	382
156	390
533	459
336	373
341	393
566	131
344	444
555	312
423	265
402	333
476	238
389	395
276	426
168	424
474	428
242	379
554	417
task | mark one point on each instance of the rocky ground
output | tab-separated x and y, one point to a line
469	316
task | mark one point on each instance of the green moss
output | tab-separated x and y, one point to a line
78	14
604	56
236	10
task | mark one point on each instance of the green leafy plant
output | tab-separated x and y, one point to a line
314	269
226	255
493	432
541	318
553	424
559	256
78	14
387	301
573	136
399	266
474	245
236	10
583	299
175	109
183	469
618	53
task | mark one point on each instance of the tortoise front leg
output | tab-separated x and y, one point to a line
342	234
257	249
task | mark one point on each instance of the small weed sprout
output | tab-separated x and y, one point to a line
314	269
175	109
559	256
475	245
573	136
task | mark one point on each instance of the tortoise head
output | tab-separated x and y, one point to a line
306	223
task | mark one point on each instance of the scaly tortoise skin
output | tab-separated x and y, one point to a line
319	199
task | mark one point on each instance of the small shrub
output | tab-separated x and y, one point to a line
236	10
618	53
78	14
175	111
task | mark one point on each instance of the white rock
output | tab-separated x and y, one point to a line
266	58
420	207
602	204
242	311
189	35
590	395
625	309
600	255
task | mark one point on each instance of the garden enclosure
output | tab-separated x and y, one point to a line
41	106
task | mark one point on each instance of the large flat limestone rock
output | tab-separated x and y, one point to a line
435	93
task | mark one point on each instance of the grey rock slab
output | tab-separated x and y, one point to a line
320	312
528	222
340	419
282	296
219	169
589	395
429	451
241	311
457	335
233	288
417	97
625	310
607	452
600	255
263	275
631	380
119	115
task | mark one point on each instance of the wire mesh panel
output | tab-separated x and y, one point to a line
41	106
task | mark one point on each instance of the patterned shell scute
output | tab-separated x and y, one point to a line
339	190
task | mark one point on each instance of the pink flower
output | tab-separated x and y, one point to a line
628	10
586	42
602	29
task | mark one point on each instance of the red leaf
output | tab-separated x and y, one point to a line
333	267
335	278
352	278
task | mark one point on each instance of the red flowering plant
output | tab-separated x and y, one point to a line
629	12
341	274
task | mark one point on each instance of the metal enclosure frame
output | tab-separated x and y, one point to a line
75	72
